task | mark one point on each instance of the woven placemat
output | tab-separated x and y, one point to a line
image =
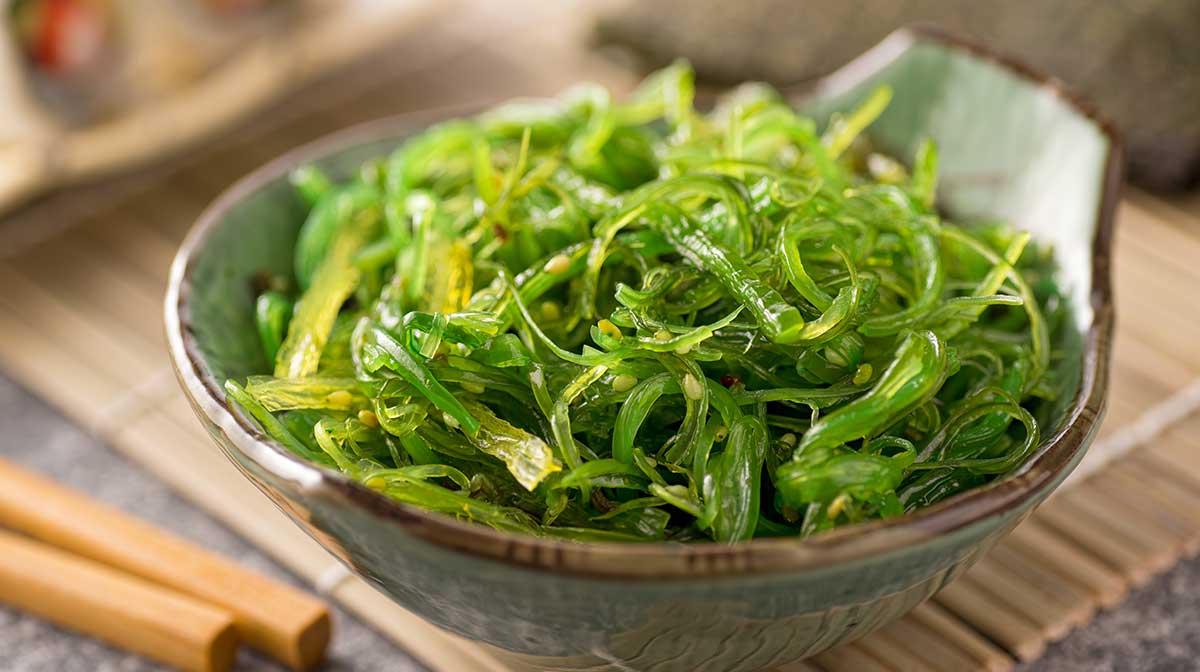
80	314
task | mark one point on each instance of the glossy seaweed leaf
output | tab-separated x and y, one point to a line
604	320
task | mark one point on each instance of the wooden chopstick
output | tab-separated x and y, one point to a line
129	612
279	620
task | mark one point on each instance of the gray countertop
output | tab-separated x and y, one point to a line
1157	628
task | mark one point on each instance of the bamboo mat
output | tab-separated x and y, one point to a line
80	325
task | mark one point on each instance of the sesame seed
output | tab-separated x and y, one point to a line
863	374
836	506
368	418
623	382
559	263
609	329
339	398
677	490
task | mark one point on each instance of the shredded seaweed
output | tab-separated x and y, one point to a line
599	320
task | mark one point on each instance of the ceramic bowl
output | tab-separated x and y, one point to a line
1013	145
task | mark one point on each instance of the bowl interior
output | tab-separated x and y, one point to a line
1012	146
257	233
1009	148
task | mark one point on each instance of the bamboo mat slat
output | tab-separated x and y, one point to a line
932	652
882	646
849	658
80	318
992	619
1042	546
954	631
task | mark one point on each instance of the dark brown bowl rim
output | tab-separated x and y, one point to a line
666	560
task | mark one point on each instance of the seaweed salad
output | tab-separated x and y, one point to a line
597	320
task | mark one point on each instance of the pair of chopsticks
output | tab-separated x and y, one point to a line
91	568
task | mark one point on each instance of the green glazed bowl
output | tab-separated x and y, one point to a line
1013	146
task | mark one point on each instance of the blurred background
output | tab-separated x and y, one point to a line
94	87
120	120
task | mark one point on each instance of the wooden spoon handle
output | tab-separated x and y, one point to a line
283	622
124	610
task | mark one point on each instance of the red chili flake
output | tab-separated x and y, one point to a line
729	380
500	232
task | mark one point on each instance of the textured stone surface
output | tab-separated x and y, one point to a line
1157	629
37	437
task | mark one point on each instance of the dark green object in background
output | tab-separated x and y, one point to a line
1137	60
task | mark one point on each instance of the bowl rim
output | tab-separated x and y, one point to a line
656	561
